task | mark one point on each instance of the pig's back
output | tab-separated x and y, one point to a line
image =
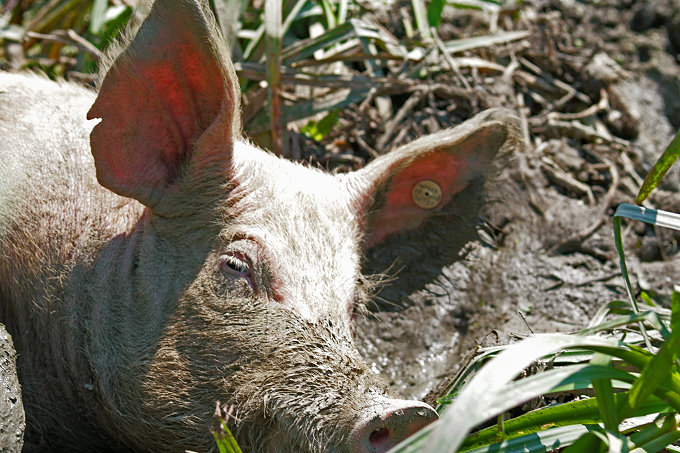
42	130
47	175
38	117
53	212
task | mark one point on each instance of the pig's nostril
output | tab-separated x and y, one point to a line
387	423
379	438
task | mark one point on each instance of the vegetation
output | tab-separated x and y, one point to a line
298	61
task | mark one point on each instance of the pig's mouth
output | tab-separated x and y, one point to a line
377	428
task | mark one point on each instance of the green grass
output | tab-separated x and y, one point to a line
224	439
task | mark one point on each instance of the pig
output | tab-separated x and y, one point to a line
153	262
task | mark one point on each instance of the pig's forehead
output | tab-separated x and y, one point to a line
271	183
304	218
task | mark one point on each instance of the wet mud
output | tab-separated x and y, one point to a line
598	87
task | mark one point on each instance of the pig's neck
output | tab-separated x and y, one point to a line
100	280
126	285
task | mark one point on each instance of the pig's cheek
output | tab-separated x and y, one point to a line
234	288
221	294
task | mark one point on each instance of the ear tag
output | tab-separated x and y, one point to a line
426	194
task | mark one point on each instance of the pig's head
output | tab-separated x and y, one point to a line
253	263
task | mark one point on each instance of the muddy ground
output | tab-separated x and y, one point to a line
598	87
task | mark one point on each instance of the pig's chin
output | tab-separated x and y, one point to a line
379	425
294	433
275	439
305	395
308	415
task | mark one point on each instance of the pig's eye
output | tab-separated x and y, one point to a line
236	264
236	261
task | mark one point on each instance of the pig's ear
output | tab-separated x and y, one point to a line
420	204
171	90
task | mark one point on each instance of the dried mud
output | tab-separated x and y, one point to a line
11	405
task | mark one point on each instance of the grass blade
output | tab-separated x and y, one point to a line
228	14
342	11
605	395
420	15
675	307
226	443
483	5
476	403
590	442
543	441
624	269
306	47
327	7
317	130
581	412
434	12
292	15
667	159
256	71
460	45
649	316
253	46
659	369
657	435
659	443
307	108
272	15
98	16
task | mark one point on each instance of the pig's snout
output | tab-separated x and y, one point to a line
384	425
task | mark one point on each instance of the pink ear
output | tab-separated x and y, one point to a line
171	84
444	175
417	182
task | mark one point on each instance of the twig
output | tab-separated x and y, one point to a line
450	60
509	71
565	180
572	129
403	131
556	82
603	104
68	37
629	167
392	125
365	104
521	315
573	243
604	278
366	147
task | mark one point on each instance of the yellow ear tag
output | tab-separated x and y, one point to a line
426	194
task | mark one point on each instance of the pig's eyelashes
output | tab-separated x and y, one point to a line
237	265
234	265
